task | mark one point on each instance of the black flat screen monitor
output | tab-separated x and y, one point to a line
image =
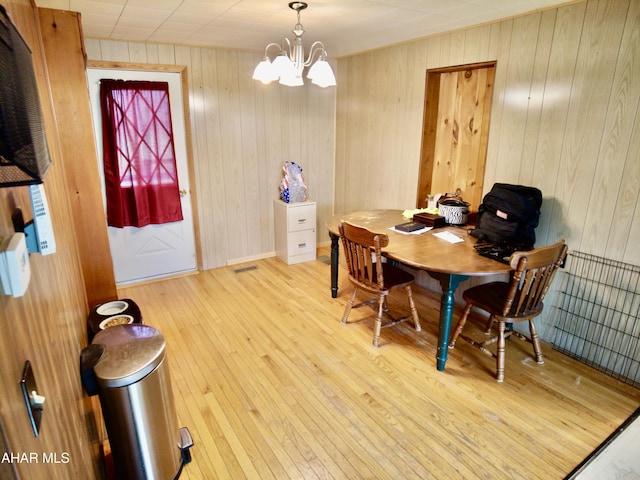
24	155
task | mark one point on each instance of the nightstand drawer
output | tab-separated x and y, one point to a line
302	243
301	217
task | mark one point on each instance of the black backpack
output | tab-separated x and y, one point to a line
509	214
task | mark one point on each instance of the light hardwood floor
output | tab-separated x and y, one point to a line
272	386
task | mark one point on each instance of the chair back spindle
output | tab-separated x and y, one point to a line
363	251
532	276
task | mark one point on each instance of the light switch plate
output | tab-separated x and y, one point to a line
29	388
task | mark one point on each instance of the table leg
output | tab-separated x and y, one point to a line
334	264
449	282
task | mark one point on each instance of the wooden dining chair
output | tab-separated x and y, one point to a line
517	300
368	272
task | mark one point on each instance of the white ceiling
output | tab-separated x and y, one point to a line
344	26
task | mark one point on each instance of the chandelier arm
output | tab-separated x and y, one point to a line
316	48
266	49
290	53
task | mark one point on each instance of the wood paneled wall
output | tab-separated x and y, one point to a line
565	118
242	132
47	325
64	49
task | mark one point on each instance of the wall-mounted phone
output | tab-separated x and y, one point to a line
15	271
32	399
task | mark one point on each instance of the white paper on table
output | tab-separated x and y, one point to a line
449	237
416	232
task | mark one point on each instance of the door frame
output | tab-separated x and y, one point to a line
432	104
182	70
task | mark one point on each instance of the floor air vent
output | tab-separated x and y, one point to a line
324	259
245	269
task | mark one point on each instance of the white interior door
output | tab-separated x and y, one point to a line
155	250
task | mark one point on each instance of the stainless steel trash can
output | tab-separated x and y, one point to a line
137	404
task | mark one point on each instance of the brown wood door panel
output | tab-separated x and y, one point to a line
455	132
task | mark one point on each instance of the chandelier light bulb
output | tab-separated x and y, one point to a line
292	81
321	74
265	72
283	66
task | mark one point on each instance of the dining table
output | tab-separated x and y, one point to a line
447	254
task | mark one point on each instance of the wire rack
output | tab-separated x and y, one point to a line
596	319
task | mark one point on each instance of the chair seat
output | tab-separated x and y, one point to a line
490	297
395	277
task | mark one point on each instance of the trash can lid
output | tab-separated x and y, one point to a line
131	352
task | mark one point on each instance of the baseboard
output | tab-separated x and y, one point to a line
253	258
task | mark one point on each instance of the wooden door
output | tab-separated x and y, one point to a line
152	251
455	132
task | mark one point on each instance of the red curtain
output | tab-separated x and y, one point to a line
140	172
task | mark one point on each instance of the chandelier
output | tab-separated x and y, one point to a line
288	65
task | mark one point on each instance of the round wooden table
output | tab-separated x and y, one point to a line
449	263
